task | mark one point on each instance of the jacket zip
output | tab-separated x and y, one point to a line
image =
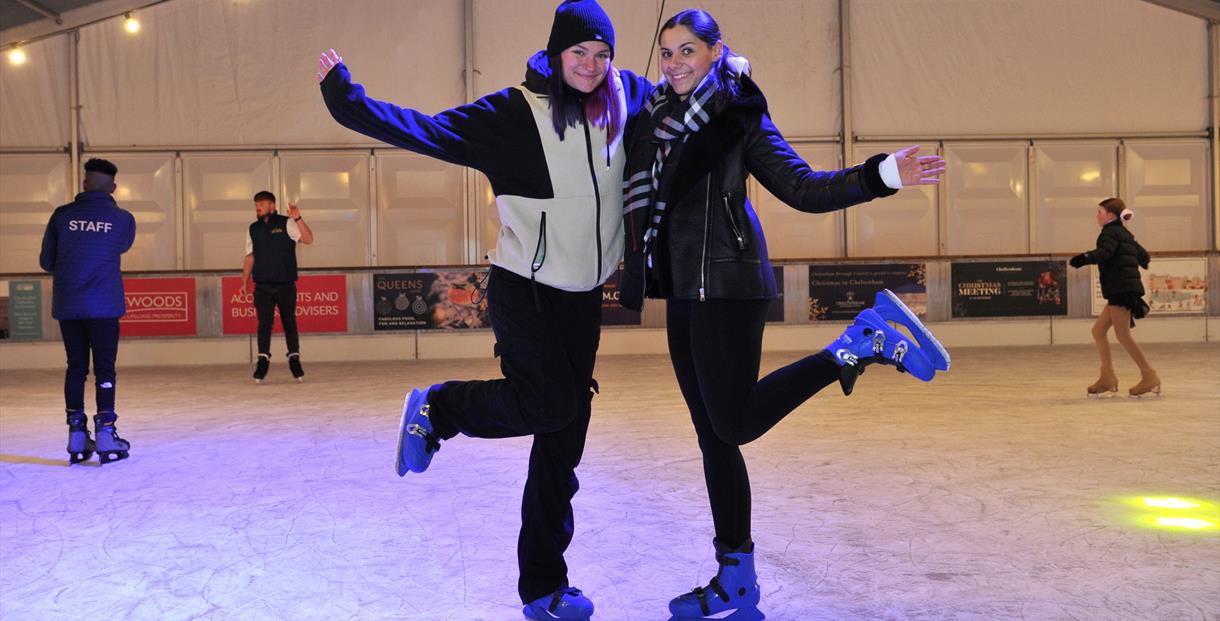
597	194
539	259
728	211
707	225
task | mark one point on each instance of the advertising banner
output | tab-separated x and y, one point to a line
25	309
432	300
1009	288
613	313
321	305
1177	286
775	314
159	307
840	292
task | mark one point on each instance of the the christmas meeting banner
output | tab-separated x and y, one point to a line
839	292
1009	288
1171	286
430	300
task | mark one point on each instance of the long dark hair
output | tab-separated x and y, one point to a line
704	26
567	104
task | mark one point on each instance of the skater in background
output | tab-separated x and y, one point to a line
1119	259
552	151
83	247
271	258
694	240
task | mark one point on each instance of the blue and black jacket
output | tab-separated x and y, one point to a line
82	247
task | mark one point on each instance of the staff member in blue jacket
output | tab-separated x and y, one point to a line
271	257
82	247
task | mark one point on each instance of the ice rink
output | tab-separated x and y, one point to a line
998	491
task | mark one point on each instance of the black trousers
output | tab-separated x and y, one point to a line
267	297
547	341
716	349
82	337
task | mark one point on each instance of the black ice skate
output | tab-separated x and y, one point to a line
80	445
294	364
260	370
110	447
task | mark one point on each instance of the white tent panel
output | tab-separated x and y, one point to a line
148	188
419	210
987	194
215	72
906	223
1169	188
793	234
219	207
1069	181
34	96
332	191
31	187
946	67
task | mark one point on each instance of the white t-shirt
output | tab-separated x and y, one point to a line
294	233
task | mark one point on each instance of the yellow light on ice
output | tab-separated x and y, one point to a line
1170	503
1177	522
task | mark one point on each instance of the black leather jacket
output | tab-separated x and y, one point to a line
713	245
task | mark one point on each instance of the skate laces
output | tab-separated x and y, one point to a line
431	442
557	596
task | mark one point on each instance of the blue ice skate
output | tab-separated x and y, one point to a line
416	442
892	309
733	595
869	340
566	603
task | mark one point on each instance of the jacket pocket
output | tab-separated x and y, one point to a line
736	229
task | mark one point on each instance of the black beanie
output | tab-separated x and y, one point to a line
577	21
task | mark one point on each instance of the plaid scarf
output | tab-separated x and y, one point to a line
646	186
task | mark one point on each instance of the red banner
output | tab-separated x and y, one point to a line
159	307
321	305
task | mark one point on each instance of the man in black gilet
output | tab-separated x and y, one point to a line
271	257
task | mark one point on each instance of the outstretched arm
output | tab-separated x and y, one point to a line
306	233
459	136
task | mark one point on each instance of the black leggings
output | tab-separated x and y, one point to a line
716	348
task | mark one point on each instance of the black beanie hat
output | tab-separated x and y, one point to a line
577	21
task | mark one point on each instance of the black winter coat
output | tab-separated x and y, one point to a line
714	245
1119	259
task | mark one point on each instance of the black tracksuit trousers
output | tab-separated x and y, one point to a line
547	341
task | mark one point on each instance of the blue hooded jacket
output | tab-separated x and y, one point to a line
82	247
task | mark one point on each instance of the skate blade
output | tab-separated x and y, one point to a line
921	332
1109	394
76	458
108	456
740	614
1151	394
